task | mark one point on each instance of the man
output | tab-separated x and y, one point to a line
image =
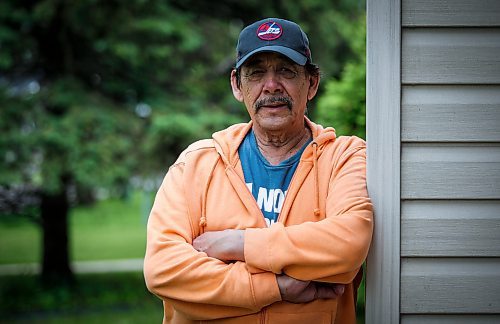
269	221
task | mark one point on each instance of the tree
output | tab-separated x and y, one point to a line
72	76
53	146
343	104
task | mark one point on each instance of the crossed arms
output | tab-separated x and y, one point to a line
228	245
326	253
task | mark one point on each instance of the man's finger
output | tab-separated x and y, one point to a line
329	291
339	289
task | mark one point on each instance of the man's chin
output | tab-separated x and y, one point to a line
274	122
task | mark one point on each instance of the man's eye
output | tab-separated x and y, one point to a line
287	73
255	74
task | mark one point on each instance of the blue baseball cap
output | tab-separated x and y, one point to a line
273	35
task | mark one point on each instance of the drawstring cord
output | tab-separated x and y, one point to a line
203	218
203	223
317	212
316	181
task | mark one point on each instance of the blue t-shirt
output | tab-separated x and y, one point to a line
267	183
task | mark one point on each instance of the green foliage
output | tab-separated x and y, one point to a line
15	143
72	75
328	25
97	295
175	131
64	132
343	104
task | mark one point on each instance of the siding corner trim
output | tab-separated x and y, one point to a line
383	110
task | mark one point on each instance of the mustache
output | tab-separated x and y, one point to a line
272	100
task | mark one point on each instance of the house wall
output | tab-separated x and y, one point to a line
449	198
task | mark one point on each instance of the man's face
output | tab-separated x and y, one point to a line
275	91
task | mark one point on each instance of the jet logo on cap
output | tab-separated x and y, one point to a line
269	31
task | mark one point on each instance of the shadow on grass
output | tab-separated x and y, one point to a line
94	298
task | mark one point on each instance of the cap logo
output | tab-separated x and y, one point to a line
269	31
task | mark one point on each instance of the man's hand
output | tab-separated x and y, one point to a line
297	291
224	245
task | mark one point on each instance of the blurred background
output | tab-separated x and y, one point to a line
97	99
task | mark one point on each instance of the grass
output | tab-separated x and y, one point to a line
97	298
113	229
19	242
110	229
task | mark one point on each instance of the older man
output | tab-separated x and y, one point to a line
269	221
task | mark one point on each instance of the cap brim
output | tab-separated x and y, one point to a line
288	52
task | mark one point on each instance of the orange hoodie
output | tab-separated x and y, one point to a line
323	233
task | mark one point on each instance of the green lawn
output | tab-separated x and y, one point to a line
19	242
110	229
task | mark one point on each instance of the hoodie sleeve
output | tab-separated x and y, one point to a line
196	285
330	250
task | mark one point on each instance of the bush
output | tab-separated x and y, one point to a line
97	295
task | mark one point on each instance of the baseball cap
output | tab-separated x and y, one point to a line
273	35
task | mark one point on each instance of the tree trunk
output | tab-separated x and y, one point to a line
56	262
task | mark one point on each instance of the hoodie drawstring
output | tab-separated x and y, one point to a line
317	211
203	217
316	180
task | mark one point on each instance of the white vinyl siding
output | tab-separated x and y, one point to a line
450	228
450	319
445	13
450	56
450	285
450	161
437	217
450	171
450	113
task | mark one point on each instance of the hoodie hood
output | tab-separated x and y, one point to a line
228	140
227	143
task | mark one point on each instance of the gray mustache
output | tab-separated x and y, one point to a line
272	100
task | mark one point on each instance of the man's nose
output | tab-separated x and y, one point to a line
272	82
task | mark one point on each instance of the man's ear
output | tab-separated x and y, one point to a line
236	87
313	86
